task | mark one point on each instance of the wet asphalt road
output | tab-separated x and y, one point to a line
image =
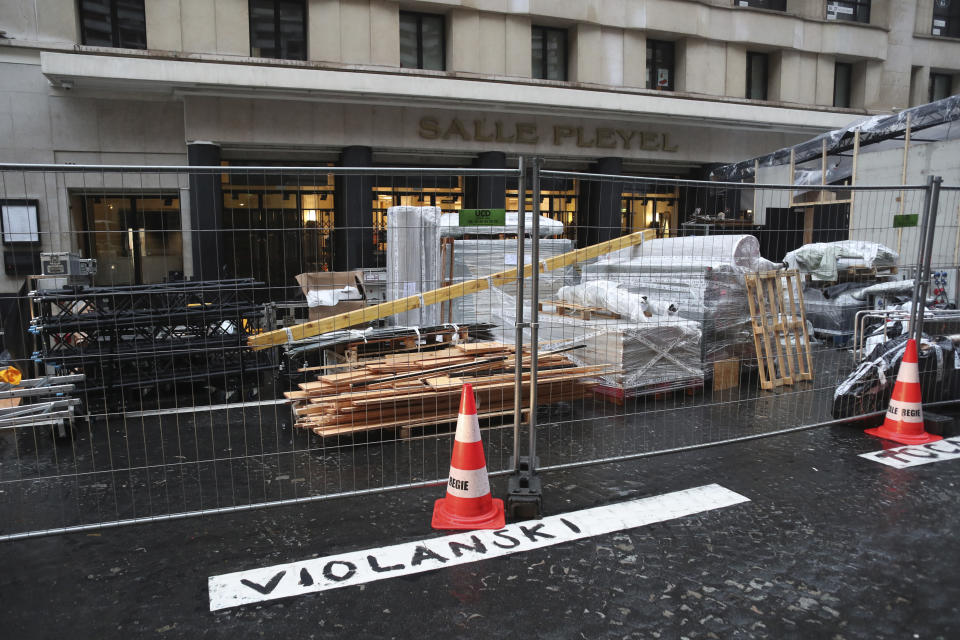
830	546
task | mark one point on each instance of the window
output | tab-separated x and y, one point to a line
842	75
757	64
941	86
852	10
422	41
946	18
549	53
113	23
660	65
278	29
775	5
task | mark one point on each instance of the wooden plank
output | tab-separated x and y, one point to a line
726	374
795	331
764	358
803	323
392	425
477	348
776	308
443	294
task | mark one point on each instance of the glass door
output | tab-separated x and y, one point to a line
135	239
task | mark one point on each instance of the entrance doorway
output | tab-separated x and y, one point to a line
643	210
135	239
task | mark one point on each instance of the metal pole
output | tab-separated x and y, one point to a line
926	257
518	325
928	191
534	310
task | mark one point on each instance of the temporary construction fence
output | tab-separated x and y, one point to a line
254	336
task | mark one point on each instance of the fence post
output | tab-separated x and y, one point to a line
928	229
518	323
534	310
524	488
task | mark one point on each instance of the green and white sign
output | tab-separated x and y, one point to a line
905	220
483	217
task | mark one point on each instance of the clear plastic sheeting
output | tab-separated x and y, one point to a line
870	386
739	250
476	258
450	226
413	255
832	311
936	115
707	291
608	294
822	259
655	356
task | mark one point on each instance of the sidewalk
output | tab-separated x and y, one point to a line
831	545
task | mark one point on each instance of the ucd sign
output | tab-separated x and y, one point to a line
483	217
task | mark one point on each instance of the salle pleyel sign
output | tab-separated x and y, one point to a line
482	130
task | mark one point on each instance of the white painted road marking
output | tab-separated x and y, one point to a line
358	567
916	454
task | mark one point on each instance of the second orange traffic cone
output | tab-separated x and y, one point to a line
904	420
468	504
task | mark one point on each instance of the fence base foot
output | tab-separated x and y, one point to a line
524	493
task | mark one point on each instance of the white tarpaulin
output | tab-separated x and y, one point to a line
821	259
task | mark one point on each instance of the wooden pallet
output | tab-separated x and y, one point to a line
779	328
576	311
857	273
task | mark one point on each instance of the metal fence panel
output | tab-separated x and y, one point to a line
198	370
150	402
680	345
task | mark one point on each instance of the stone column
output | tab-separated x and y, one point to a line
206	212
486	192
599	216
353	213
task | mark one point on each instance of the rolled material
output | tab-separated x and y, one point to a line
413	261
742	251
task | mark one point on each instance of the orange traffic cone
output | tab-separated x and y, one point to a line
468	504
904	421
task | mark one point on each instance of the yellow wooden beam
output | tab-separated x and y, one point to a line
443	294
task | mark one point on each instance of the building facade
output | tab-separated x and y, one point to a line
649	87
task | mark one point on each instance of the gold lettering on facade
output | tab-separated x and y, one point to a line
649	141
580	141
478	135
605	138
500	136
527	133
666	144
456	128
429	128
561	132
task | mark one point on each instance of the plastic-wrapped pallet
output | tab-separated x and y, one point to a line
822	259
658	350
659	355
413	260
478	258
710	292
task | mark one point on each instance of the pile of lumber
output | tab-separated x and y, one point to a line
402	391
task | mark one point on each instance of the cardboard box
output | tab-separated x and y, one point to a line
325	280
